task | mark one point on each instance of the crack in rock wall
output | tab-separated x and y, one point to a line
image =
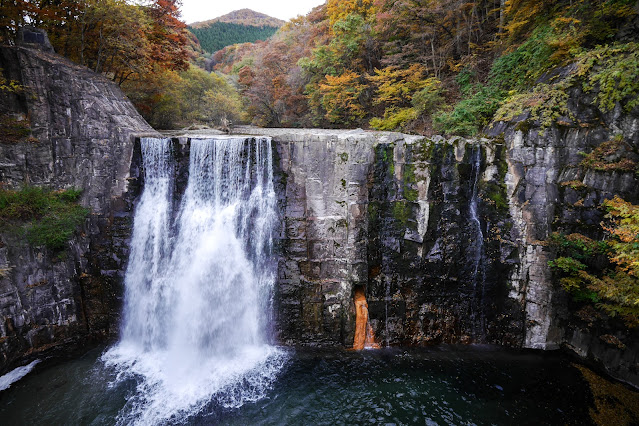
390	212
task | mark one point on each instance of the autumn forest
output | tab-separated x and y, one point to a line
410	65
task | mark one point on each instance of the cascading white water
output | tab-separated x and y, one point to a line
198	283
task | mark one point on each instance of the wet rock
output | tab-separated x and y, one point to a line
388	212
82	129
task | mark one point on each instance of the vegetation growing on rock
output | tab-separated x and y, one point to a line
613	155
13	130
47	218
605	273
609	72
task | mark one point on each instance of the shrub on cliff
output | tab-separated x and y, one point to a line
614	287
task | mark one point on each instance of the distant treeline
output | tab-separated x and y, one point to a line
221	34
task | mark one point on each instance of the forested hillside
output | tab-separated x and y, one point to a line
144	47
217	35
431	65
246	17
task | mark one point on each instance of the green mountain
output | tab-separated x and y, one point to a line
239	26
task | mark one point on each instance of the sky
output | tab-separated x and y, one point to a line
202	10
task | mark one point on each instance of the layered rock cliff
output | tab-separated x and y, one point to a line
550	189
447	238
80	135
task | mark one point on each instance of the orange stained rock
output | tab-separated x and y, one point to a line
364	337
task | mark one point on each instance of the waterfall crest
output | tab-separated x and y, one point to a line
198	284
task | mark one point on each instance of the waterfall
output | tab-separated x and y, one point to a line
477	250
198	285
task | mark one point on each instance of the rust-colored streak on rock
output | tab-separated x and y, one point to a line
364	336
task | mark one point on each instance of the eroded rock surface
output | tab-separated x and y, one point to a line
82	129
447	237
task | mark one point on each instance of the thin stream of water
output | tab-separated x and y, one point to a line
477	251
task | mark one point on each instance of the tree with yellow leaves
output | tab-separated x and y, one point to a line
397	89
338	10
341	97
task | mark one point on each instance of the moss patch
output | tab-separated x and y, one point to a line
423	150
401	213
388	153
409	181
495	191
47	218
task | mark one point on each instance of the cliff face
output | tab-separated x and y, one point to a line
404	218
445	237
551	190
82	129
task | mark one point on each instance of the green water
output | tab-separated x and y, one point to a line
443	385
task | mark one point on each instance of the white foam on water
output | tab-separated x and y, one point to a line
198	284
16	374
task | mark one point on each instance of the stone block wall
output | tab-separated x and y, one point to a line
390	213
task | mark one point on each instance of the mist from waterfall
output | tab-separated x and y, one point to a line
199	281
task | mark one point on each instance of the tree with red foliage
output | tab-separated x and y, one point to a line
167	35
113	37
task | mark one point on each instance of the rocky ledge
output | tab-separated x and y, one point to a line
77	130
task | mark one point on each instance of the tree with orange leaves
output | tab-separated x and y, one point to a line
167	35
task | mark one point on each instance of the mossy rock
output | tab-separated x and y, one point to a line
47	218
